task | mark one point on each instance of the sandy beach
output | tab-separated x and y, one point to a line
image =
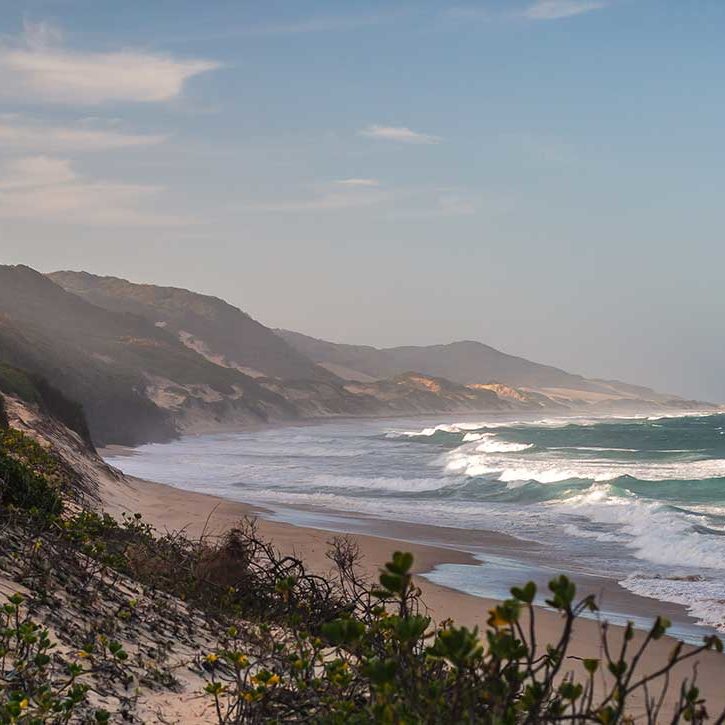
170	508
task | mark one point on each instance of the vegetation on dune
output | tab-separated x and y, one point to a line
34	388
112	603
30	477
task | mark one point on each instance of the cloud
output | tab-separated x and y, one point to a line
35	172
20	134
48	189
557	9
40	68
358	182
401	134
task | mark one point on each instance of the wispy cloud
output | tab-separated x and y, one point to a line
557	9
23	134
49	189
358	182
38	67
401	134
35	172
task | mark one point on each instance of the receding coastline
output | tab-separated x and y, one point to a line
170	509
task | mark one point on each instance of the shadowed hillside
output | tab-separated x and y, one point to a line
222	333
136	381
148	363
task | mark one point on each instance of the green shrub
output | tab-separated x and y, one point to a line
296	647
21	487
36	685
387	663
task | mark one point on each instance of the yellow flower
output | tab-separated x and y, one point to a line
274	680
82	654
241	660
248	697
211	658
24	703
496	619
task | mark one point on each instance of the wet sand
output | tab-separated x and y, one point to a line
169	508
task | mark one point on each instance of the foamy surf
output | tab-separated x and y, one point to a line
702	598
621	497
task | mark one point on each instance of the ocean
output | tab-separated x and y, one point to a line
638	500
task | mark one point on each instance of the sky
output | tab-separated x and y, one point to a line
545	176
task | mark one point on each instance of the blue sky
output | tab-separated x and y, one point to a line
542	176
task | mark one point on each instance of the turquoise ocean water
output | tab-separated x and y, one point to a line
638	500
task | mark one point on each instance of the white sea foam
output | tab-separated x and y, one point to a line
442	428
593	448
704	598
348	468
379	483
573	530
490	444
456	514
493	425
470	437
658	533
481	460
685	414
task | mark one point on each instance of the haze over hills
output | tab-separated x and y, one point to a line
222	333
468	363
149	362
464	362
127	372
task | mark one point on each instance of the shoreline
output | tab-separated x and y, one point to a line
169	508
484	549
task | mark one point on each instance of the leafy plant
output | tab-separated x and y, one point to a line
36	684
22	487
292	646
386	663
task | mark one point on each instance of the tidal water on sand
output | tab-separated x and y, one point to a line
637	500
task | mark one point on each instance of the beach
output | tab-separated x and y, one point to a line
170	509
629	507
